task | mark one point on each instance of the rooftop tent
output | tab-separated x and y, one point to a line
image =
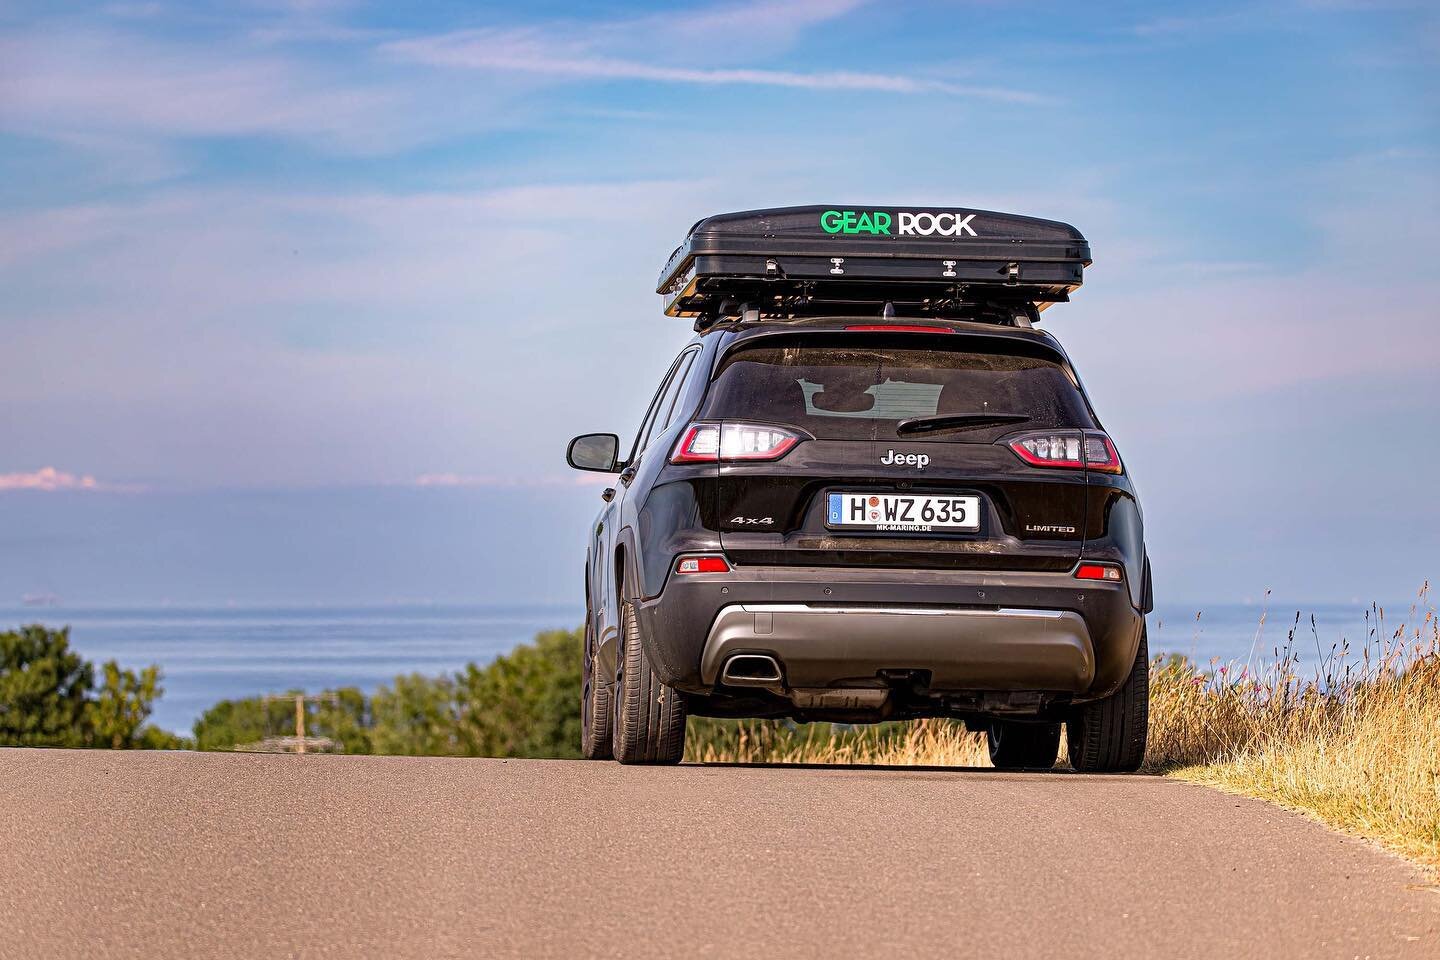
797	261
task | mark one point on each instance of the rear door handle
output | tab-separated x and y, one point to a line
627	475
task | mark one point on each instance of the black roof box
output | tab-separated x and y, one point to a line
804	260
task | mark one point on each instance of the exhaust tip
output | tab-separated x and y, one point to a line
751	670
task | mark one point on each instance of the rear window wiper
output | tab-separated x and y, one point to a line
957	421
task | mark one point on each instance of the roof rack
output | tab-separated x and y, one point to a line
811	261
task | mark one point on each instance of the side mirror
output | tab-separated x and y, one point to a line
594	451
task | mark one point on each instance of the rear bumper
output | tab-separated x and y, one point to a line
972	630
960	649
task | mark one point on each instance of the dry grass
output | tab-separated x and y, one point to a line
1357	745
921	743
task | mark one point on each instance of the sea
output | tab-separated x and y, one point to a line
211	654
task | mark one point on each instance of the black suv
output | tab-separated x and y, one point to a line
869	489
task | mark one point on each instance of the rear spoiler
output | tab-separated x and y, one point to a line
803	261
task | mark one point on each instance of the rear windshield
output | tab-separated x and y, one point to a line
853	392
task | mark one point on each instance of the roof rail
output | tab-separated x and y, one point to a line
1023	315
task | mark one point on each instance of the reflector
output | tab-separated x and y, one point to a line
710	564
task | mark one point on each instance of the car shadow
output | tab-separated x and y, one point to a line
899	767
907	768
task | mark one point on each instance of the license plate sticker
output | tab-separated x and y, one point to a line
902	513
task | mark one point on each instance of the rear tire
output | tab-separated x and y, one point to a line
649	724
1109	736
596	712
1015	745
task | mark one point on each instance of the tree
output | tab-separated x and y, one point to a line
48	696
43	689
120	708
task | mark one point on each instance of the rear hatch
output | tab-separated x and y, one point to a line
904	458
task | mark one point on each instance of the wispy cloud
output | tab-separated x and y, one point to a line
524	52
384	246
783	20
47	479
135	100
741	30
131	97
608	50
1174	26
96	83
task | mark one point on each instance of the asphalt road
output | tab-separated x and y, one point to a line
210	855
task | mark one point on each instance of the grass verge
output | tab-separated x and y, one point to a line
1356	744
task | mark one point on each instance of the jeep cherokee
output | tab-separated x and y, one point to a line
869	488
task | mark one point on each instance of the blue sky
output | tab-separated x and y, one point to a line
299	301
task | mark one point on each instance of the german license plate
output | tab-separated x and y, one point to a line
902	513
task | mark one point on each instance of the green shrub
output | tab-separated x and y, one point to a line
523	704
342	715
526	703
415	716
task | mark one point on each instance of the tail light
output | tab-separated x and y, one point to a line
1074	451
1098	571
713	442
706	564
